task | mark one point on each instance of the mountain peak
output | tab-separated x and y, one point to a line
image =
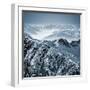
63	42
75	43
27	35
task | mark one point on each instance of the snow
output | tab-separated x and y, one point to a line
50	58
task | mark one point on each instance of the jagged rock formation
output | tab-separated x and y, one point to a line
50	58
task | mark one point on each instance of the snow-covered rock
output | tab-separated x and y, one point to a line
50	58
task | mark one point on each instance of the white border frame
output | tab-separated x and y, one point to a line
16	41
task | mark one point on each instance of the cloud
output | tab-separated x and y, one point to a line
53	31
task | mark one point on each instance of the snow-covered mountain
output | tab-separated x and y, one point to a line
50	58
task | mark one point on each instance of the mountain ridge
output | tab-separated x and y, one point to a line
50	58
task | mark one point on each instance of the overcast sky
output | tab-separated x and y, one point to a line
42	18
50	18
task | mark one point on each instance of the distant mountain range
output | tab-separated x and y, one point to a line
50	58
